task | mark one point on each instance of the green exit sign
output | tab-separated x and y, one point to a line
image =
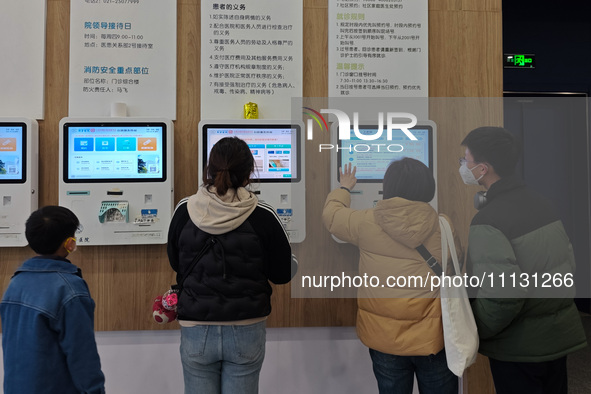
513	60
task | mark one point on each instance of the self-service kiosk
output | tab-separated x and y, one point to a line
278	150
116	175
372	157
19	151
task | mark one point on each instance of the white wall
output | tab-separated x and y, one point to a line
298	360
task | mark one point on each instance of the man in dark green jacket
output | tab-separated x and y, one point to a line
527	320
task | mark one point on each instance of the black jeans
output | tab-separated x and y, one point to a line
548	377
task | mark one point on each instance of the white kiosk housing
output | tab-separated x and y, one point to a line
19	152
278	150
116	175
372	158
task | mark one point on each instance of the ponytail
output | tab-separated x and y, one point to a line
230	165
222	181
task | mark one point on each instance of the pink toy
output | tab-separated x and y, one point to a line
164	307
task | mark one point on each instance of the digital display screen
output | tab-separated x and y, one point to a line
372	157
109	152
275	148
13	159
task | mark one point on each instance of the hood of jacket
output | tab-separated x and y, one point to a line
408	222
220	214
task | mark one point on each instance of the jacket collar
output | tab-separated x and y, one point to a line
503	185
48	264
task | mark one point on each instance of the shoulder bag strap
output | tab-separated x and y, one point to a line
429	259
209	243
447	243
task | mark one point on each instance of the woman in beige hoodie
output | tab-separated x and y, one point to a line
401	325
226	246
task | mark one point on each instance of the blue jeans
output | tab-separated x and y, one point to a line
222	359
395	374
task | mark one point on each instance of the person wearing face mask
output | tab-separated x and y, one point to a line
525	330
48	314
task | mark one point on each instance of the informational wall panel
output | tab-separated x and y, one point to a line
378	48
22	69
251	52
123	51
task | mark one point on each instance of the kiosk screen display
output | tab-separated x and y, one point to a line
372	157
13	153
114	152
275	148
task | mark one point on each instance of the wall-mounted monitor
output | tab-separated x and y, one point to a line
13	152
372	157
279	176
101	152
275	147
117	177
19	153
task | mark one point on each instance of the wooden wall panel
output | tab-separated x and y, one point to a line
318	245
188	98
465	5
465	49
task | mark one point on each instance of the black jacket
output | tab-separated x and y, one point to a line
231	279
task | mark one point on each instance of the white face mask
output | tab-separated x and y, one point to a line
467	175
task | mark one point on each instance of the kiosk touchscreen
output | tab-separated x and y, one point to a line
278	179
372	158
117	177
18	177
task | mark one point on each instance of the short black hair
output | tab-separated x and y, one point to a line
410	179
48	227
496	146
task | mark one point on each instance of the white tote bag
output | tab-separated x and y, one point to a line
459	328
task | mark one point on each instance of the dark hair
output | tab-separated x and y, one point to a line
230	165
48	227
496	146
410	179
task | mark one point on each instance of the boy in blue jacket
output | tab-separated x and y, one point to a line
48	315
